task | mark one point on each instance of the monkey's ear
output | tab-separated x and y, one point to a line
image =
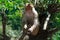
29	5
32	5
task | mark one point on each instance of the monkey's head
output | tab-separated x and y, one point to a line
28	7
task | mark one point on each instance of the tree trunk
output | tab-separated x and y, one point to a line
4	24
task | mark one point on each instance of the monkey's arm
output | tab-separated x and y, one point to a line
34	25
36	22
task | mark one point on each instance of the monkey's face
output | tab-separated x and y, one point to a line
28	7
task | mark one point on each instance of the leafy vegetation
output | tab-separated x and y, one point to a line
14	9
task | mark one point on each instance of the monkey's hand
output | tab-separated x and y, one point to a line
32	28
25	26
34	25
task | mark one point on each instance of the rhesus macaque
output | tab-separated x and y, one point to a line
30	22
30	19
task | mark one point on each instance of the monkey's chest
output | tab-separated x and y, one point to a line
30	19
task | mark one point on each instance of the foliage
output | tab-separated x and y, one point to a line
56	36
15	20
15	8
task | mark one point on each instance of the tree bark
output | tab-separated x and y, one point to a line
3	24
